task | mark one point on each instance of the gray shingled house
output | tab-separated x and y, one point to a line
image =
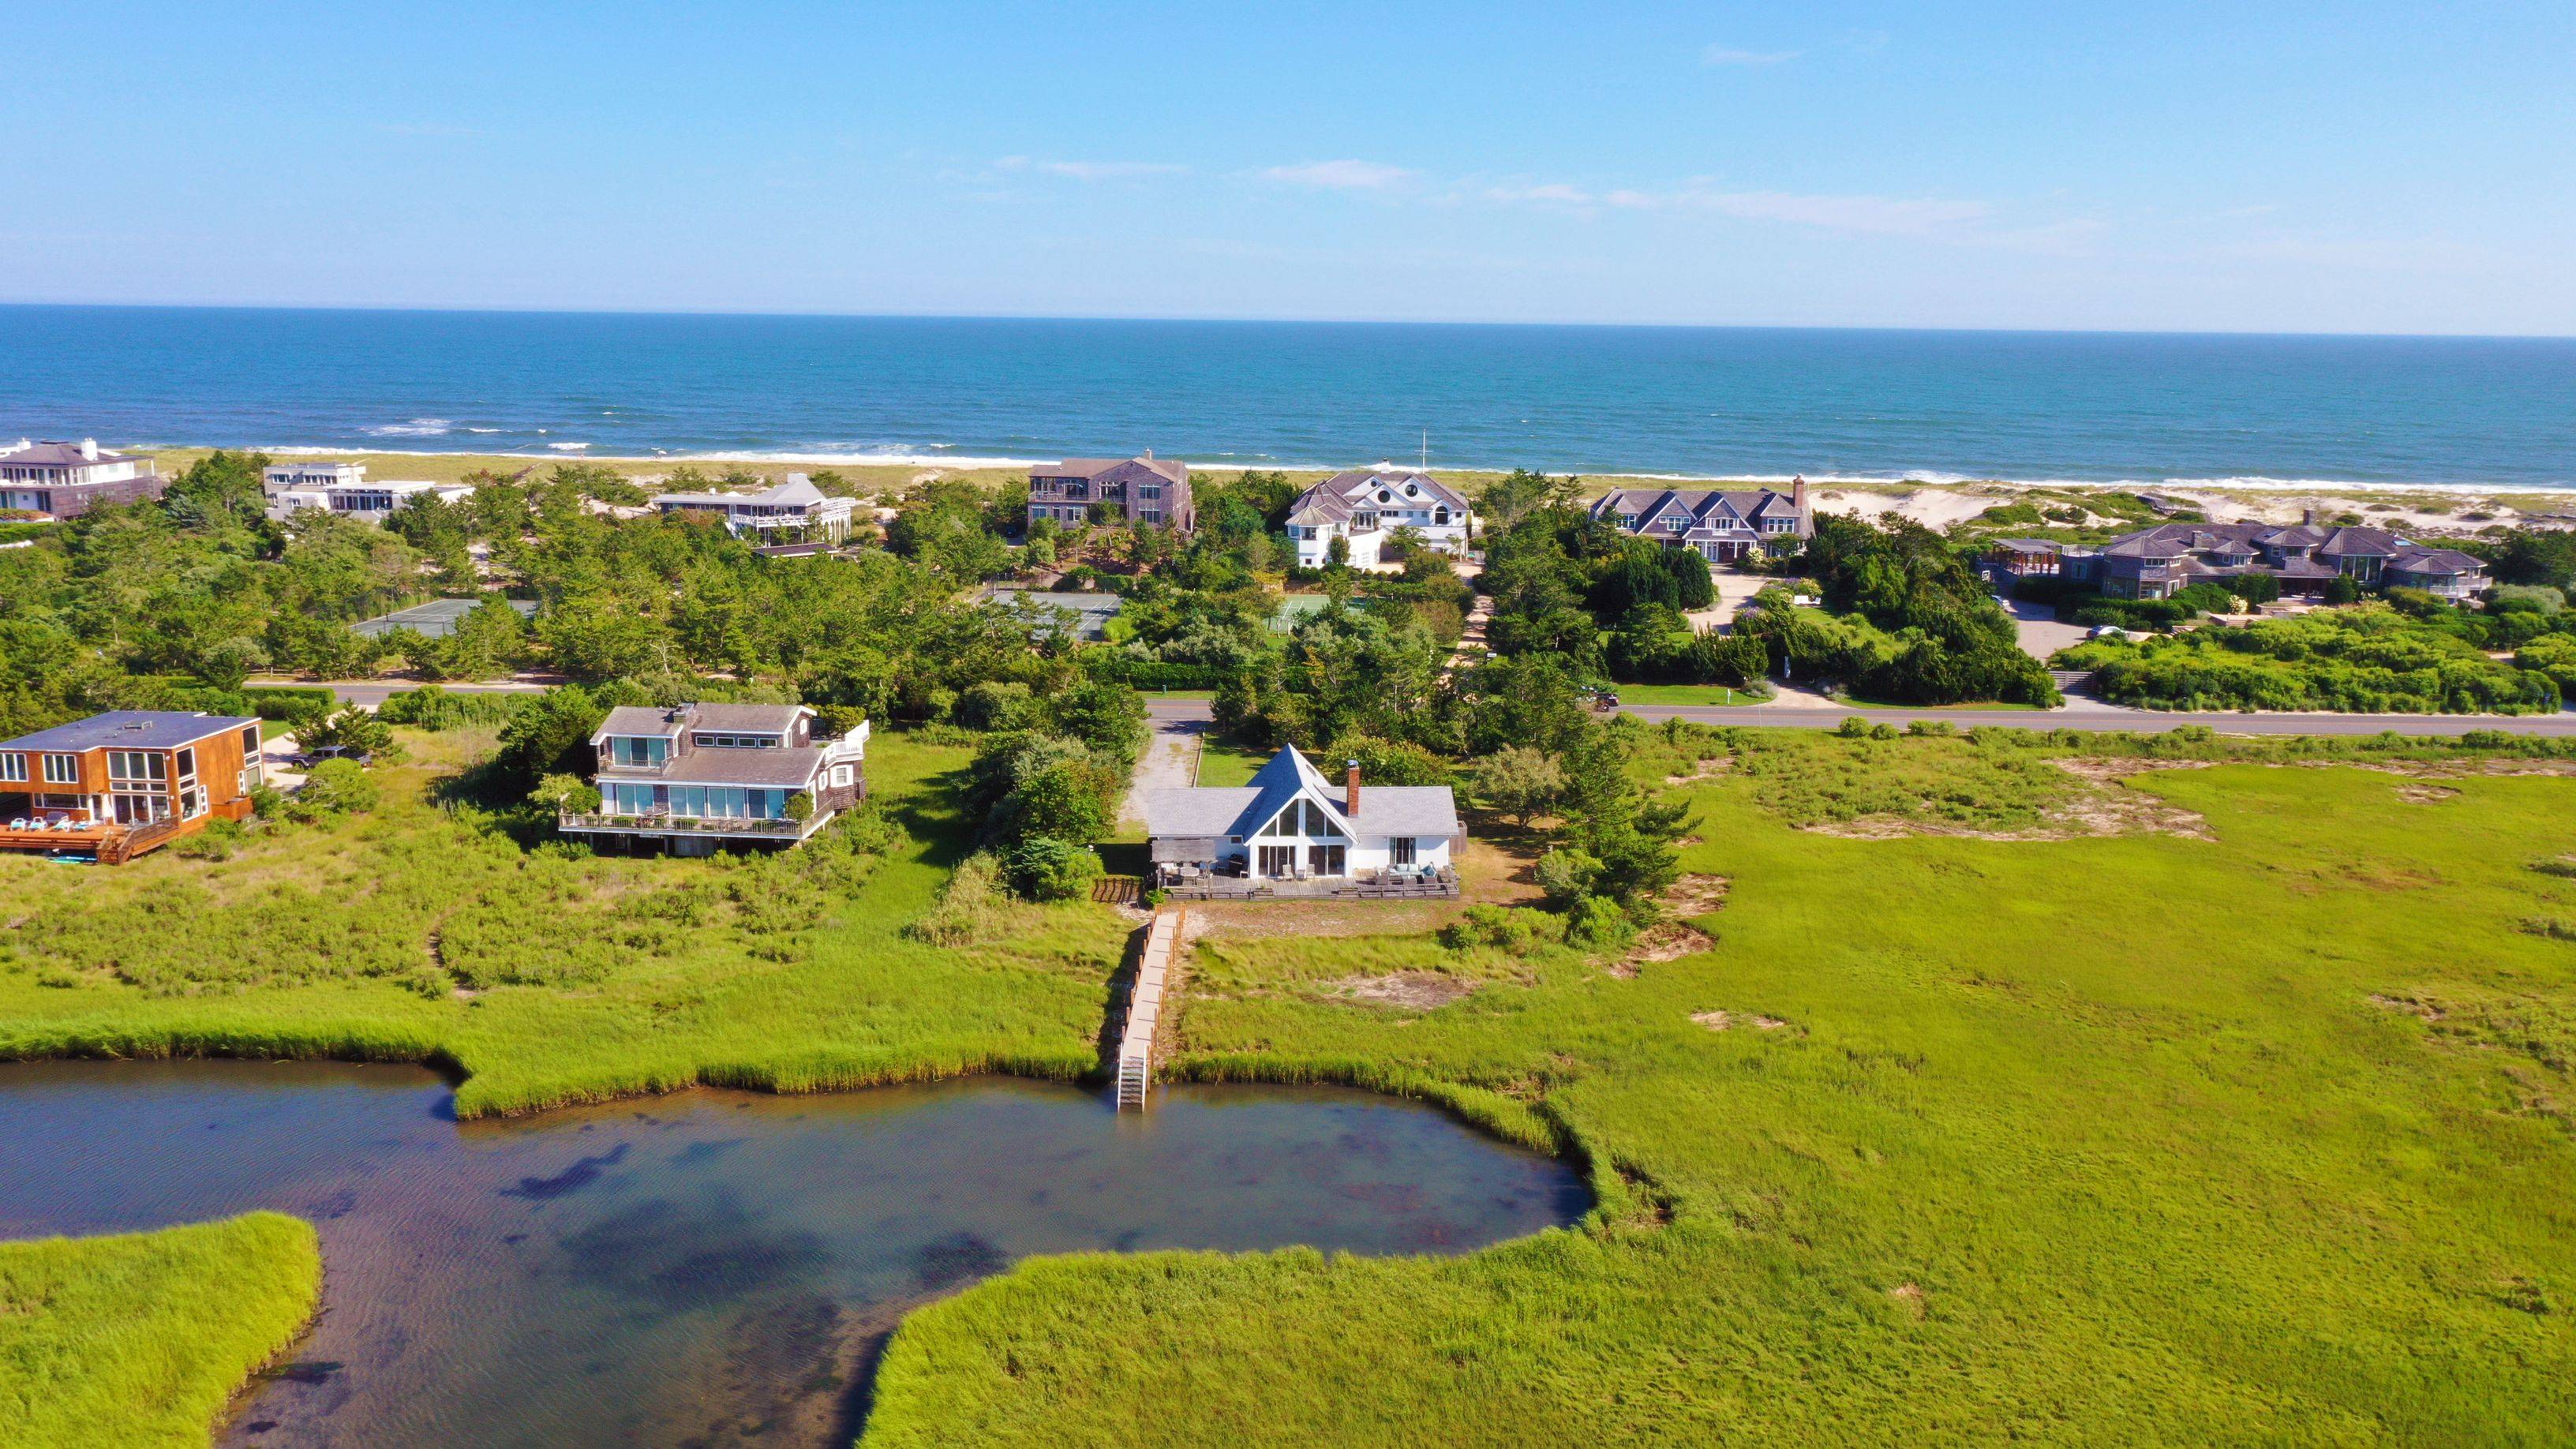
2156	563
1147	490
1721	525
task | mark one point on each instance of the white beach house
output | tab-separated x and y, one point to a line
1293	831
64	480
795	506
1365	506
337	487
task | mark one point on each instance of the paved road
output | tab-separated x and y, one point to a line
2080	717
2150	721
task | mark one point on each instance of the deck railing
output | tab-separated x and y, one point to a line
662	821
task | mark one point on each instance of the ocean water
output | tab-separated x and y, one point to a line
1730	402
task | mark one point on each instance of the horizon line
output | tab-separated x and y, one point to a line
1179	319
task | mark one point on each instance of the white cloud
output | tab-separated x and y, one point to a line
1340	175
1549	194
1109	170
1731	55
1956	223
1880	215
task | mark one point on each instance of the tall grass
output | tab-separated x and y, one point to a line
418	933
140	1339
2093	1141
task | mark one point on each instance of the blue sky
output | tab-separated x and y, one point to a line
2359	167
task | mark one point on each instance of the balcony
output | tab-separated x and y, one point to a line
74	832
662	822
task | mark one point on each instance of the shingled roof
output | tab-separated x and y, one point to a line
1207	812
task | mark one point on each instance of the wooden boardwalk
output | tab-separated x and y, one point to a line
1145	1007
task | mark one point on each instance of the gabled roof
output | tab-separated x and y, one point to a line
2360	543
2173	539
130	729
1171	468
2418	560
1707	508
53	452
651	720
1345	493
1242	810
798	490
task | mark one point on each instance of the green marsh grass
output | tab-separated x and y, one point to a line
140	1339
410	935
2111	1140
2129	1138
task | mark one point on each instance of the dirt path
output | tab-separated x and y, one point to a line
1169	761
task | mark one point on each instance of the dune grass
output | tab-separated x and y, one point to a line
140	1339
2117	1140
410	935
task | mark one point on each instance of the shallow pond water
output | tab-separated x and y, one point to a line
707	1268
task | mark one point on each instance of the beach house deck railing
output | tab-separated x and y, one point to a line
662	821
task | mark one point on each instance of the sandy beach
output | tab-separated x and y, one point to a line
2452	511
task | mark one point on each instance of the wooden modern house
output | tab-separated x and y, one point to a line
695	776
115	785
1294	832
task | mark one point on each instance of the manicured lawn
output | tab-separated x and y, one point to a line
2259	1131
1684	694
1229	764
1859	702
140	1339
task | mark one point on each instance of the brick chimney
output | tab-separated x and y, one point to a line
1351	789
1798	491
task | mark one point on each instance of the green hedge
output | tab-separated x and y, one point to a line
1138	673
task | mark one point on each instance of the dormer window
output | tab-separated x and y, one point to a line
706	741
638	750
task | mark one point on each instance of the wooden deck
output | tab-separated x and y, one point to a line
1440	887
110	844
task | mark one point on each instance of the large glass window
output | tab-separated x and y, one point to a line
1302	817
62	769
1400	850
638	749
13	767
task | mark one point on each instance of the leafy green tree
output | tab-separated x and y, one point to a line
1521	782
334	787
570	794
2342	589
1046	869
350	729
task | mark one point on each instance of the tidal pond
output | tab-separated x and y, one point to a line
708	1268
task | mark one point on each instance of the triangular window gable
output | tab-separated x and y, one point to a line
1304	816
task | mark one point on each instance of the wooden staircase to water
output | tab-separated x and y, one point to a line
1135	1062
